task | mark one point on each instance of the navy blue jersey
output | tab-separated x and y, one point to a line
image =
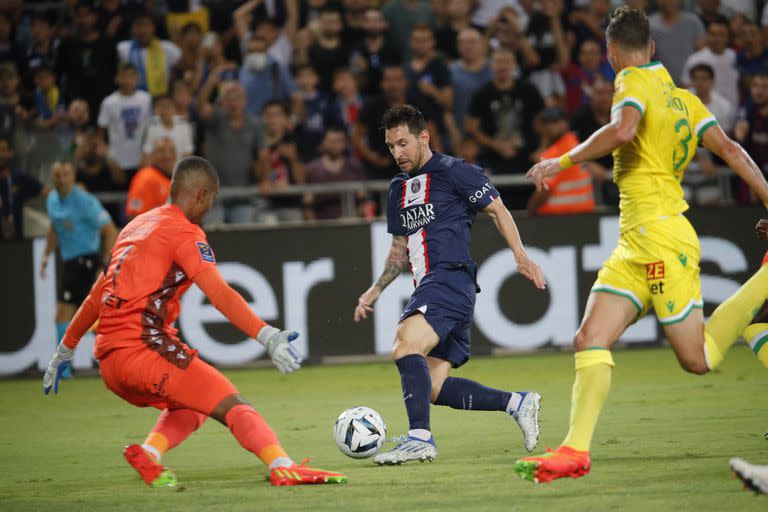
434	208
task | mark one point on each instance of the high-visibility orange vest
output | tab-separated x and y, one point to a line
571	189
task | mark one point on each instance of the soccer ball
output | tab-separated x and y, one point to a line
359	432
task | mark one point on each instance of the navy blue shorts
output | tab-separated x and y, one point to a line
446	298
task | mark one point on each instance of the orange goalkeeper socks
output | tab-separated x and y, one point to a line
255	435
173	427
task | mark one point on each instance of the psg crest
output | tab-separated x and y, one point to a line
415	186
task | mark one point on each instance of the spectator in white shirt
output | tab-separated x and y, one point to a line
703	81
722	60
122	116
153	58
167	124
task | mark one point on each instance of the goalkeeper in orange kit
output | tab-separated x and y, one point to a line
155	260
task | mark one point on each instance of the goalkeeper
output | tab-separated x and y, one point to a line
155	260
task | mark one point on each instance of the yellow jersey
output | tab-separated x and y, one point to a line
648	169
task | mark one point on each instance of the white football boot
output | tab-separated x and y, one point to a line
410	448
527	418
754	477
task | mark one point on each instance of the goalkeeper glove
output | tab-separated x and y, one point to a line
61	359
278	344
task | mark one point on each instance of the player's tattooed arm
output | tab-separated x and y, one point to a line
396	262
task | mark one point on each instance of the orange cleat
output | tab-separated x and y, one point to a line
299	474
561	463
153	473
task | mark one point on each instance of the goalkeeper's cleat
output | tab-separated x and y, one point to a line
754	477
561	463
300	474
527	417
410	448
153	473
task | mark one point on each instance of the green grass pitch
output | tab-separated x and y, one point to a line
663	443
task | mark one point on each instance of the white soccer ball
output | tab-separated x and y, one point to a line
360	432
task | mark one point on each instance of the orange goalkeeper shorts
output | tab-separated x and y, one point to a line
143	378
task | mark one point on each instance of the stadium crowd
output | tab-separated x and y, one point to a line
283	92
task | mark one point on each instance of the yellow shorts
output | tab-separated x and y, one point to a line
656	264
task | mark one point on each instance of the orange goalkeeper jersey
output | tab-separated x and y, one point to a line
153	263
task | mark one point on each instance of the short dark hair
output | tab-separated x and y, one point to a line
407	115
189	166
190	27
629	28
335	128
703	68
127	66
161	98
276	103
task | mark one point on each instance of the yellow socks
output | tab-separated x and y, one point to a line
730	319
593	380
756	335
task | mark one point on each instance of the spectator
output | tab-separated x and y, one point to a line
265	79
367	136
751	130
545	32
402	16
309	132
710	11
152	184
189	67
10	102
95	171
75	125
122	115
586	121
333	166
569	191
590	23
328	53
166	124
677	35
354	21
469	73
373	53
722	60
183	103
9	52
113	16
580	75
505	32
43	48
429	80
48	101
84	234
501	117
459	14
153	58
87	61
215	58
702	82
16	188
753	57
233	141
346	105
278	41
279	165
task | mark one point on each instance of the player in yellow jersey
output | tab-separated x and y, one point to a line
653	134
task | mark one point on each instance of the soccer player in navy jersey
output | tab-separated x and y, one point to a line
432	205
